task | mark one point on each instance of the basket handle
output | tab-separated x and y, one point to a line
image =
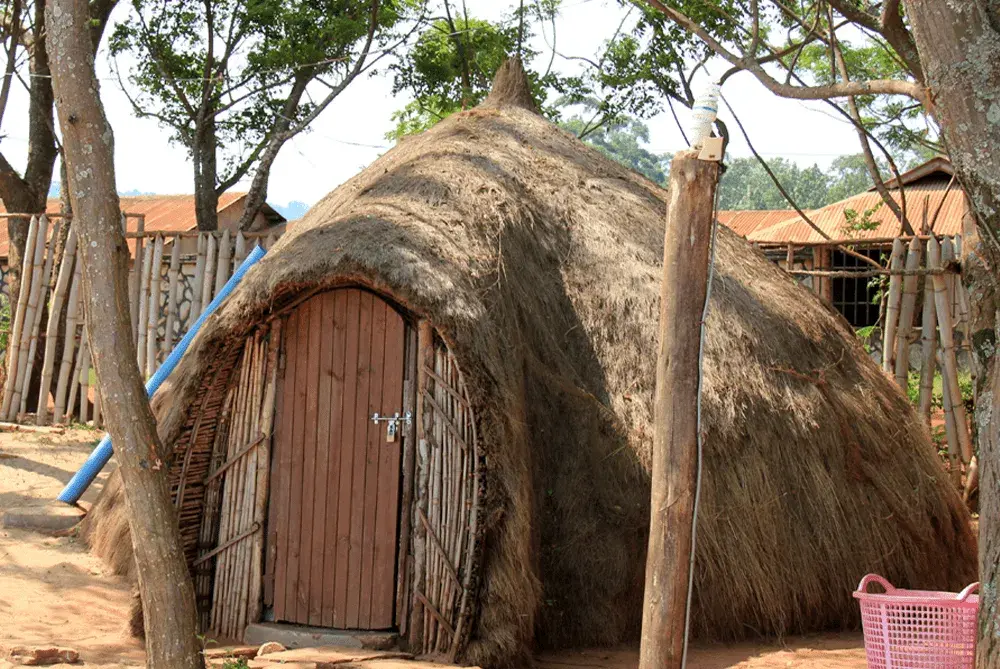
969	589
875	578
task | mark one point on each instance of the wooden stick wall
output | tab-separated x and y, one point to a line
445	507
237	488
173	278
943	334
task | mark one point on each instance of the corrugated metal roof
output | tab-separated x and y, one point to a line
922	201
744	222
938	166
162	213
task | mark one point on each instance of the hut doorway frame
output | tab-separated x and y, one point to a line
336	465
441	485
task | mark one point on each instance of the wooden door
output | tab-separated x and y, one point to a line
334	507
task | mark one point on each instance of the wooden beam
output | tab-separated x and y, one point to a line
687	245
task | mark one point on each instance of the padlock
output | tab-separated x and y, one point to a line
390	431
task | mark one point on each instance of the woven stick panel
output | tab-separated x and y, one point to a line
446	507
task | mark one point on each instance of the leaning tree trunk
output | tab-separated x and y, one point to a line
164	582
959	45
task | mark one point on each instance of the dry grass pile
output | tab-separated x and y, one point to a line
538	260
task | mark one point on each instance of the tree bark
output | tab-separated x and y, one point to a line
675	411
959	46
257	194
206	198
28	194
164	581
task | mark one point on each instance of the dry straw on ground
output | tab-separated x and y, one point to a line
538	259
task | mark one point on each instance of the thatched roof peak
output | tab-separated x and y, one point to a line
511	87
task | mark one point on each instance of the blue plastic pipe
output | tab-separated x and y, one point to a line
95	463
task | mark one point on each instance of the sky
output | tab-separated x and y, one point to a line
350	134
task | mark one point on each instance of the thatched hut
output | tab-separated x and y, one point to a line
496	281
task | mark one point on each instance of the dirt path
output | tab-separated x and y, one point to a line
54	593
827	651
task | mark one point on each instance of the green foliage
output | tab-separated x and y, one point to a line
625	142
235	663
225	67
746	185
913	387
865	334
860	222
901	124
454	60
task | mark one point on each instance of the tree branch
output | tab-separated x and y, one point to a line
15	38
866	148
750	64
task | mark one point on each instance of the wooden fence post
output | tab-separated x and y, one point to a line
173	284
949	367
52	327
19	312
892	304
153	306
135	286
686	251
928	347
906	311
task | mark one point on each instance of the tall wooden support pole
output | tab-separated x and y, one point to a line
675	410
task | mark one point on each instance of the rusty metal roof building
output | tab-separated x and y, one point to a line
933	203
168	213
744	222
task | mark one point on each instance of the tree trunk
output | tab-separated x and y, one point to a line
257	194
164	581
206	198
959	46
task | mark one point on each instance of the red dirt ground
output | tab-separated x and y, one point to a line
52	592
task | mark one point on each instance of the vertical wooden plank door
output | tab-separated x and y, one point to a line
334	504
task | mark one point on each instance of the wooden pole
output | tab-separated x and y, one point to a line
263	472
153	306
52	328
892	305
135	285
683	292
69	343
14	341
173	283
209	280
239	249
949	368
144	276
29	316
199	281
906	310
951	427
43	298
928	346
223	268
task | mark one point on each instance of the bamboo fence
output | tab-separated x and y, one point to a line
171	281
938	343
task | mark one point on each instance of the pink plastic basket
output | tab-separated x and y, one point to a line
915	629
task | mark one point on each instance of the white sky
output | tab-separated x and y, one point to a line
350	133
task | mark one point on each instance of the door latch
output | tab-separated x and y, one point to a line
392	424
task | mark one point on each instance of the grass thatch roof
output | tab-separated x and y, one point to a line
538	260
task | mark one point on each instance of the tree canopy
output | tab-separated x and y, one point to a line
231	79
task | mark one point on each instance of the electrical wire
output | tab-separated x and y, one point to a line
699	459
